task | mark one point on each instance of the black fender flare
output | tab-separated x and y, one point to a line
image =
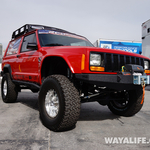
7	69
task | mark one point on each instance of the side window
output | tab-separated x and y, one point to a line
13	47
28	39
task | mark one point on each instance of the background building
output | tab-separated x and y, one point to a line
1	54
129	46
146	38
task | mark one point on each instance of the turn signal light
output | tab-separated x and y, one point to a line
83	62
94	68
147	71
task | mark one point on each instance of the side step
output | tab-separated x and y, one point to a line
29	85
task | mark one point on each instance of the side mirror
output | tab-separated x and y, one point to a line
32	46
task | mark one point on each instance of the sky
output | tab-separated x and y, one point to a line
94	19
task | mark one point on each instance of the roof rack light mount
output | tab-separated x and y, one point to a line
24	29
30	27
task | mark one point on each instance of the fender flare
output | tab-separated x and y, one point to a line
7	69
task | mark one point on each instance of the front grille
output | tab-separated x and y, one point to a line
114	62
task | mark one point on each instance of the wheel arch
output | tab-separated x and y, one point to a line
55	65
7	69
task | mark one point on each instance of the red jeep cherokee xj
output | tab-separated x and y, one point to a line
66	69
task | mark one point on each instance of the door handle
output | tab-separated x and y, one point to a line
18	56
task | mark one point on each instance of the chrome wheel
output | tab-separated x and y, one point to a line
5	88
52	103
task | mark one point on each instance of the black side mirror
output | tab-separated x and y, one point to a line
32	46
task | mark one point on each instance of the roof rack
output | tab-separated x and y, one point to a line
30	27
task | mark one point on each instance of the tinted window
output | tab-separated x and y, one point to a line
13	47
52	38
28	39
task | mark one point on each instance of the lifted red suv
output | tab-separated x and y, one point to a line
66	69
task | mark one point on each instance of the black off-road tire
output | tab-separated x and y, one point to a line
11	95
133	106
69	103
35	90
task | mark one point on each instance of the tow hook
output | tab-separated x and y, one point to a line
143	86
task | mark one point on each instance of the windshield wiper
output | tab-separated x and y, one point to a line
54	44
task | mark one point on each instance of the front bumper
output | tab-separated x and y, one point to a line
117	82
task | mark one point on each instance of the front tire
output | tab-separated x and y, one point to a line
8	89
129	105
59	103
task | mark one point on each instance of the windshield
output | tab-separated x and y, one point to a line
53	38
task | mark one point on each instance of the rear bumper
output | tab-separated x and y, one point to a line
118	81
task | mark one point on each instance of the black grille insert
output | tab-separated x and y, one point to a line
114	62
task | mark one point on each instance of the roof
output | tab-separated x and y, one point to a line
30	27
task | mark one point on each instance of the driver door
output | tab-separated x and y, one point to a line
28	60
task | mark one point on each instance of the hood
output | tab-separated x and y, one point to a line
81	49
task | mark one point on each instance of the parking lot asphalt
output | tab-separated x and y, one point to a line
21	128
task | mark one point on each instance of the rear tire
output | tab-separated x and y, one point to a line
8	89
59	103
129	106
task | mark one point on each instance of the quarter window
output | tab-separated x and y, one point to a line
13	47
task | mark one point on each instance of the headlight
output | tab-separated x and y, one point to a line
95	59
146	65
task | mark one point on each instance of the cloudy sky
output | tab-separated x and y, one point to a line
109	19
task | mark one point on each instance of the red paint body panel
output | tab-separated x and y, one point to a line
28	66
72	55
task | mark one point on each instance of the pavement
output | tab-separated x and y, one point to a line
21	128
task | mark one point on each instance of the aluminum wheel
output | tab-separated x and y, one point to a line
52	103
5	88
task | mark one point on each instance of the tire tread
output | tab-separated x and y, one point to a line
135	98
72	103
11	90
